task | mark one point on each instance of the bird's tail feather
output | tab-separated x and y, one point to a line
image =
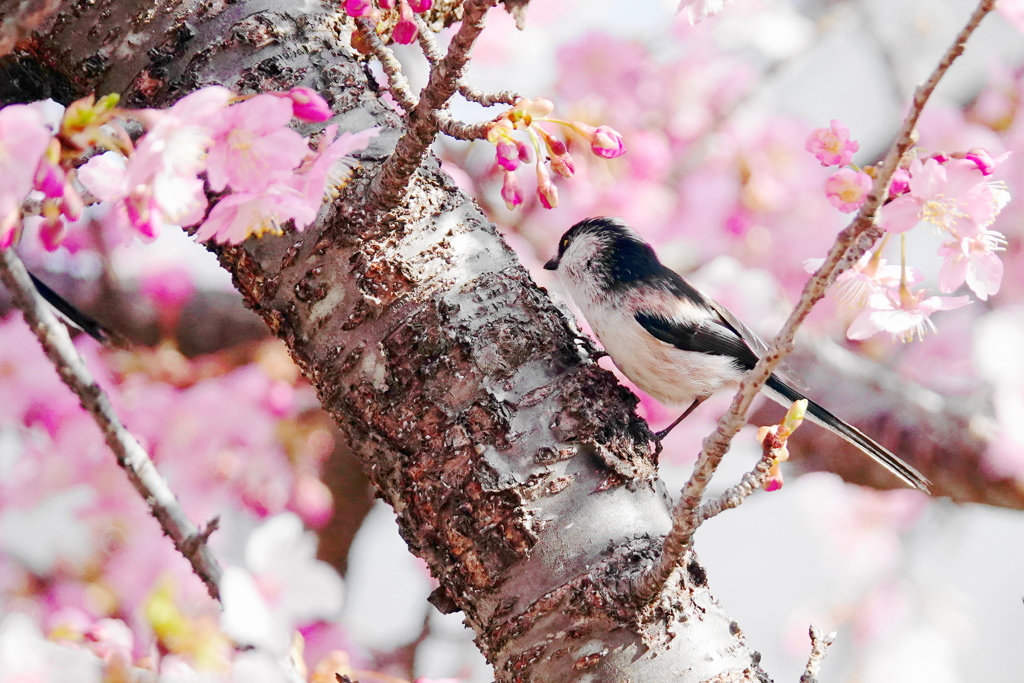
820	416
71	313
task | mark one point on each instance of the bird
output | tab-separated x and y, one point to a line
674	342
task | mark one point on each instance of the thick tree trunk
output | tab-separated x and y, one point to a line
516	465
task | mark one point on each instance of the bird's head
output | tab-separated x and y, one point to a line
605	249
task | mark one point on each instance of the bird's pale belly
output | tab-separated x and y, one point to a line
669	375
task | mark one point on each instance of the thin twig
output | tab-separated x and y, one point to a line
390	184
398	84
454	128
164	506
849	246
819	644
734	496
433	55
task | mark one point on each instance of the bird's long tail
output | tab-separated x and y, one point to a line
70	313
785	394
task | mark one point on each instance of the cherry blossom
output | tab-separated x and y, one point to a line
904	315
24	138
832	146
285	586
253	146
954	197
847	189
698	10
972	260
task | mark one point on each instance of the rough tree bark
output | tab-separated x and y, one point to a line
516	465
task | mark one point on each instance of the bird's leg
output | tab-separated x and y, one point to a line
693	406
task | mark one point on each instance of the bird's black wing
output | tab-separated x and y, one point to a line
724	318
703	336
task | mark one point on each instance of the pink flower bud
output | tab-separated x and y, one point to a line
386	4
900	182
563	165
71	204
50	180
981	157
357	8
308	105
420	6
510	191
607	143
546	190
941	157
507	154
51	231
10	227
525	153
405	30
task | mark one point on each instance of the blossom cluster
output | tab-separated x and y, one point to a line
405	29
510	151
955	194
242	145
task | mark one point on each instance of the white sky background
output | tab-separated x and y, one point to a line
948	590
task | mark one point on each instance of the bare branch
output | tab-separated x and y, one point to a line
398	84
454	128
433	55
734	496
850	245
163	504
389	186
819	644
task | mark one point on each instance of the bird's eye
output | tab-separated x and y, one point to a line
565	244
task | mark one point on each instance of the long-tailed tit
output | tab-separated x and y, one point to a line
677	344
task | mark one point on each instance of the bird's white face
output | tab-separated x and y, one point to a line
582	266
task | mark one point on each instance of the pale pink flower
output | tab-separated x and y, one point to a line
330	167
285	586
420	6
24	138
904	316
698	10
1013	12
972	259
308	105
954	197
870	275
161	183
847	188
253	146
242	214
832	146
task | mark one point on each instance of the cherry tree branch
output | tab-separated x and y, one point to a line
398	84
753	480
819	644
849	246
133	459
433	54
389	186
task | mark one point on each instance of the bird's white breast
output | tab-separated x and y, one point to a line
670	375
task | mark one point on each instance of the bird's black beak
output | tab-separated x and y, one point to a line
552	264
